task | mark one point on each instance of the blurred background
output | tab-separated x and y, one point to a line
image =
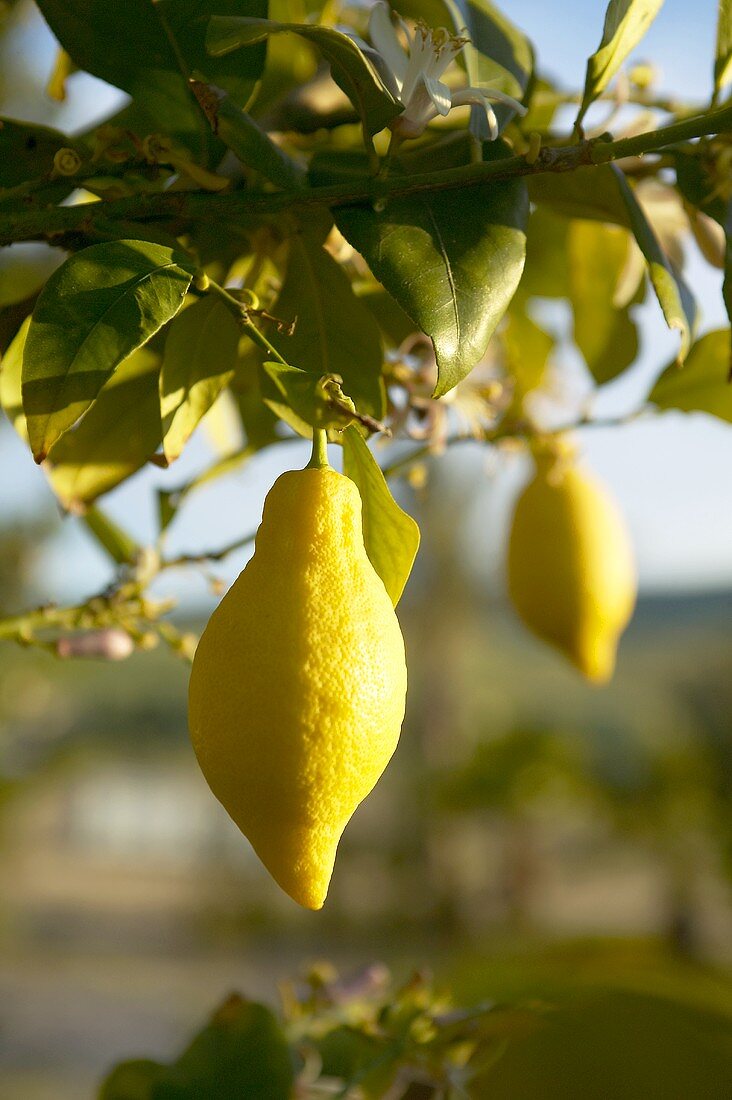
532	834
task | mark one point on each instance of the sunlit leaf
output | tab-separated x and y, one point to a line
605	334
527	348
334	332
390	535
305	400
702	385
118	435
626	22
723	52
11	381
101	305
351	69
673	295
546	273
451	259
199	360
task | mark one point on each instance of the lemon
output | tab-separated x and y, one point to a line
298	684
571	571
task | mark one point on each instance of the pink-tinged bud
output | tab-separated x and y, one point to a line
105	645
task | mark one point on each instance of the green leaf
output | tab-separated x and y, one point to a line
199	360
119	434
606	336
150	49
101	305
390	535
351	69
590	193
120	546
698	186
723	53
11	376
675	300
727	284
334	332
546	274
242	1053
451	259
626	21
389	316
27	151
527	348
132	1080
252	146
703	383
305	400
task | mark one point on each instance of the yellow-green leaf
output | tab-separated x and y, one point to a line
199	360
11	372
390	535
98	308
626	21
606	336
702	385
118	435
674	297
723	53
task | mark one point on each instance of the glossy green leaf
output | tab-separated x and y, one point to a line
675	299
451	259
390	535
605	334
723	52
351	69
702	385
626	21
590	193
119	434
388	314
27	151
11	381
150	49
199	360
101	305
334	332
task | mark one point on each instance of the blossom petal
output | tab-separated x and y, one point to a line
386	41
475	96
439	93
501	97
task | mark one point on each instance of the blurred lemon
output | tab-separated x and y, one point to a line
571	571
298	684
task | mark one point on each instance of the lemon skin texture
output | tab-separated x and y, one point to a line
571	570
298	685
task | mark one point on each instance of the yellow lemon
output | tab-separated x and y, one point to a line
298	684
571	571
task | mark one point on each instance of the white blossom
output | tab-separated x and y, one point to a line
414	75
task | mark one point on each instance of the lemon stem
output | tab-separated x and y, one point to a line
319	457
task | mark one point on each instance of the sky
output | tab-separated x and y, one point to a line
670	473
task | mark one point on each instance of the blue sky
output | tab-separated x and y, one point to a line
670	473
